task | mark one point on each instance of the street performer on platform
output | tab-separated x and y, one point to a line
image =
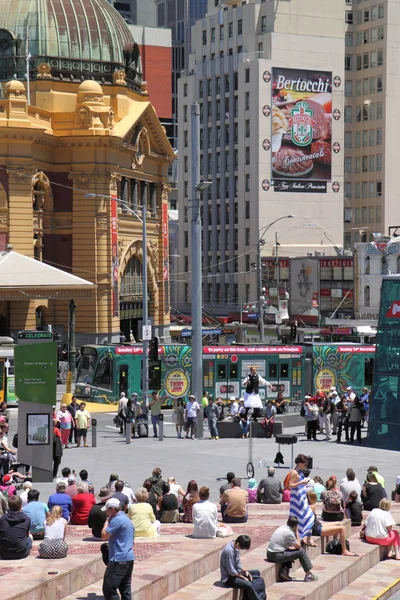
252	400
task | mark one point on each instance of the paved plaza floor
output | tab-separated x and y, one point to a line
207	461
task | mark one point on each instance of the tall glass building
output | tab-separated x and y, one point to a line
384	422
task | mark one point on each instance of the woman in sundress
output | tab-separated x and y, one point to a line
299	506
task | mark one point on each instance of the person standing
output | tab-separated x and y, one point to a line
252	396
327	409
355	412
122	404
119	531
57	449
73	409
204	403
178	414
311	413
65	420
82	421
299	506
155	405
212	413
192	408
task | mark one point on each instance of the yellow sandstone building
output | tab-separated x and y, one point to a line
82	123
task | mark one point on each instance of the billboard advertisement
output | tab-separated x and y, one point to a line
115	261
301	130
304	286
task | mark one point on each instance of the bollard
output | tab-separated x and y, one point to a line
161	428
94	433
128	431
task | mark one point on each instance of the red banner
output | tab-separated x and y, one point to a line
114	246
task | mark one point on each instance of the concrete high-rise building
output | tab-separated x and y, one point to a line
137	12
179	16
372	89
269	79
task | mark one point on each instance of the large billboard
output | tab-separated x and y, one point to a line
301	130
304	286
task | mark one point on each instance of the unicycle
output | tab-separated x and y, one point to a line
250	467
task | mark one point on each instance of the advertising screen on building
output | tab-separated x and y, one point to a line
304	286
301	130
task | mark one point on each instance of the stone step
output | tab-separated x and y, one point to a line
381	581
166	573
334	572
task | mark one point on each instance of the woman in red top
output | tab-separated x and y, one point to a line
81	505
191	497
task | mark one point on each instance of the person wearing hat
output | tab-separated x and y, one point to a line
7	488
119	531
71	488
234	407
97	516
155	405
192	409
252	398
311	413
24	495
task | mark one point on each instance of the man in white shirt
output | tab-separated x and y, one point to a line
335	399
24	494
349	395
205	516
192	408
350	484
122	403
234	407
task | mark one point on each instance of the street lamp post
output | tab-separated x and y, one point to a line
198	187
261	243
145	316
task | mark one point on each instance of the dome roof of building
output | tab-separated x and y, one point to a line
77	39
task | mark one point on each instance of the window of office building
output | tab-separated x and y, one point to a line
347	139
378	137
348	40
379	162
348	114
348	62
348	88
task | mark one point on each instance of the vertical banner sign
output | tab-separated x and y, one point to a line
304	286
301	130
165	256
114	246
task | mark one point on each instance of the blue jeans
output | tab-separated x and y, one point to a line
212	423
117	577
227	519
244	427
155	419
243	584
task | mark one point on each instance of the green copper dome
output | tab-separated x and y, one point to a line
78	39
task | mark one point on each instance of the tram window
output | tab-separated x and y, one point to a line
233	372
123	379
221	372
272	371
103	377
368	371
284	368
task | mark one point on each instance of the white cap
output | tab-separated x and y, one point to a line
192	396
333	389
307	397
112	503
233	398
241	399
349	388
27	484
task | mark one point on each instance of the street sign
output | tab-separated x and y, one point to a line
188	332
36	373
146	332
35	335
278	318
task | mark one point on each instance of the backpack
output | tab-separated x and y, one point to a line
258	584
335	547
143	430
332	501
286	495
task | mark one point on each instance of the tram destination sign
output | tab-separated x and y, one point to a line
35	335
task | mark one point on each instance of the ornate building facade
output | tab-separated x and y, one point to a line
83	124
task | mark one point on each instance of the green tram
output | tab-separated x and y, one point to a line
106	371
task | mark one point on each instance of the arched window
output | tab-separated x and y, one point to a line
132	281
367	296
367	265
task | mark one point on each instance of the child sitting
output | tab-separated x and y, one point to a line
354	509
252	490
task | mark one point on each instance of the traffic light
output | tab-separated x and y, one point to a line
153	348
293	332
